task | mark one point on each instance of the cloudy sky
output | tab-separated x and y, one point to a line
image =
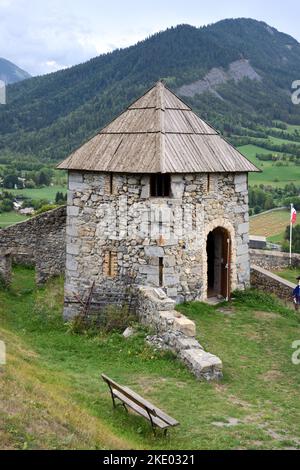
42	36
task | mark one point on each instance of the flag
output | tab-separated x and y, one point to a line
293	215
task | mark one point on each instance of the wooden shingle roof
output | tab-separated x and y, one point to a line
158	133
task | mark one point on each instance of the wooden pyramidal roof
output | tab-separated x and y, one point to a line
158	133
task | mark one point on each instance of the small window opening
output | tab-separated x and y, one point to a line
109	268
161	272
110	264
111	183
208	182
160	185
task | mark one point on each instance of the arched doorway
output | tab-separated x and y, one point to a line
218	248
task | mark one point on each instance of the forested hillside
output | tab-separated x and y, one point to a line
47	117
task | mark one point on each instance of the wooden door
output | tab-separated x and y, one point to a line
225	265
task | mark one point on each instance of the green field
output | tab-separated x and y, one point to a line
47	192
279	141
290	128
10	218
52	396
271	225
290	274
271	174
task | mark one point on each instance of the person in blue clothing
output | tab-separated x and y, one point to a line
296	294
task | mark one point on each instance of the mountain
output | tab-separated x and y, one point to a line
236	73
11	73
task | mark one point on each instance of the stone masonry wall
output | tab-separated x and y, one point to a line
5	267
92	232
270	283
175	332
272	259
39	241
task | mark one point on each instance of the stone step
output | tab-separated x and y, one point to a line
175	321
185	325
202	363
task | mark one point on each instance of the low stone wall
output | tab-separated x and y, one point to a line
5	267
271	283
272	259
39	241
175	332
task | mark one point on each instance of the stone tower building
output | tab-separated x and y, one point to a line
156	198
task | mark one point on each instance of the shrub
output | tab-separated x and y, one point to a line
259	300
116	318
112	318
295	239
45	208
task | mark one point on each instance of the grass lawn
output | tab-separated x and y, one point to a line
49	192
283	175
51	395
290	274
10	218
271	225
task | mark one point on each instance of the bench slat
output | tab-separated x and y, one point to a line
160	414
128	394
139	404
138	409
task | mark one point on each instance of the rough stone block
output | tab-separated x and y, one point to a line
183	342
242	250
172	292
201	363
5	267
73	248
154	251
146	269
240	178
185	325
240	188
71	263
75	177
145	193
243	228
177	189
169	261
171	280
72	210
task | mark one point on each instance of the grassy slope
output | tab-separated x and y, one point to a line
48	192
270	172
10	218
290	274
51	395
271	225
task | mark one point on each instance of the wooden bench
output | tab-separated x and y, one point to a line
127	397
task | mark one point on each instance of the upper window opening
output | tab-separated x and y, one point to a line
111	182
208	182
160	185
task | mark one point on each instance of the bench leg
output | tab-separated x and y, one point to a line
152	424
112	397
125	407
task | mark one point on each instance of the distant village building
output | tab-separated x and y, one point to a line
157	198
27	211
